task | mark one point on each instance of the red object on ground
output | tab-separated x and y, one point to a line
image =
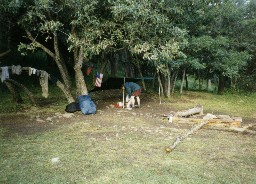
117	106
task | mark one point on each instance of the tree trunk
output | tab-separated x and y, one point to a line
103	64
61	65
66	92
209	85
182	81
160	83
154	79
186	78
233	81
4	53
174	81
30	95
113	65
221	85
56	56
168	90
141	75
15	93
80	83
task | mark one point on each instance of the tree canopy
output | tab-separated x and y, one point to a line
209	38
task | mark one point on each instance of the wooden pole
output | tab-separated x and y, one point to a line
123	94
159	91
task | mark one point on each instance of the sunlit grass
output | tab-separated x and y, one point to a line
231	104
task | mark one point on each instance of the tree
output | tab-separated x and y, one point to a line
246	40
74	25
149	34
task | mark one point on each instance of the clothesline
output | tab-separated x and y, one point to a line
43	75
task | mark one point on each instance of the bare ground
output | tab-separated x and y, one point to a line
37	121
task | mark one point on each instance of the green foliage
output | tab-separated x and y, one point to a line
149	33
205	35
218	55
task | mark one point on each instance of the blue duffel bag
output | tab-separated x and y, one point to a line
86	104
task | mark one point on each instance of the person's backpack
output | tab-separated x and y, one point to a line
86	104
72	107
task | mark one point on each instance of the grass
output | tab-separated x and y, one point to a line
231	104
54	102
103	149
132	158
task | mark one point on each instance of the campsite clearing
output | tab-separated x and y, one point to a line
128	146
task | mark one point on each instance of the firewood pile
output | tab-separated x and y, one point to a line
210	121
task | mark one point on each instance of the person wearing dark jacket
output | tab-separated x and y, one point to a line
133	90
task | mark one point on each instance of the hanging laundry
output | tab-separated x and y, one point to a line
38	73
31	71
16	69
44	83
34	71
88	71
5	73
87	68
98	81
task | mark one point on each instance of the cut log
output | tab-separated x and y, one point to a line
224	123
220	121
196	110
243	129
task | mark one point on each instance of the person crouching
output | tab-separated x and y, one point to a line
133	90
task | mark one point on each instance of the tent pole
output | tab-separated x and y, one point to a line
160	94
123	93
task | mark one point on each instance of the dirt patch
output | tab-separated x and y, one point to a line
151	112
27	124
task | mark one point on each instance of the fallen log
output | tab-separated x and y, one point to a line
191	131
234	124
244	129
220	121
196	110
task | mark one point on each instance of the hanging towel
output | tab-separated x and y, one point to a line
98	81
88	71
31	71
16	69
44	83
5	73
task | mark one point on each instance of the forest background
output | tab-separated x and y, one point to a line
210	41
